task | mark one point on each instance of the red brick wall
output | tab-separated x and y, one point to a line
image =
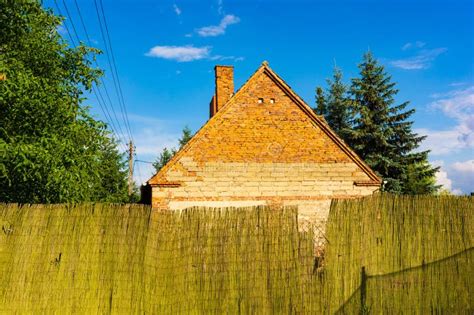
224	86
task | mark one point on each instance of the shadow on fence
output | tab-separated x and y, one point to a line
403	291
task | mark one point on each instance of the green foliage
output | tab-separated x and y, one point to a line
366	117
52	150
419	179
163	158
112	185
444	192
383	135
338	111
320	102
185	137
166	155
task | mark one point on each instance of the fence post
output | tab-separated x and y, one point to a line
363	291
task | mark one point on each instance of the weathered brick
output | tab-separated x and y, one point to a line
252	153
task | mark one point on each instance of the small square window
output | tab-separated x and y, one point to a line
260	100
272	101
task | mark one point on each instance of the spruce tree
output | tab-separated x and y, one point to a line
383	135
167	154
163	158
320	102
338	108
185	137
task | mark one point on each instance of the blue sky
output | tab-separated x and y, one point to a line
165	52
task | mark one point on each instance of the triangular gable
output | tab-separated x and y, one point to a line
160	178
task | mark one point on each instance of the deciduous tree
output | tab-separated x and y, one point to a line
51	149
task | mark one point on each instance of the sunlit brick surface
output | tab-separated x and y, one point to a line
260	148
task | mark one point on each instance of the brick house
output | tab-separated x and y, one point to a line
262	145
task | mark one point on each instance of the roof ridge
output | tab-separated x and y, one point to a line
192	140
264	67
325	127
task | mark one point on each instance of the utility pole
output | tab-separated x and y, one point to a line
130	168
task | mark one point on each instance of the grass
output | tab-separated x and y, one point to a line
102	258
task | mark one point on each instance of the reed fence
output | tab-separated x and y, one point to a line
105	258
417	253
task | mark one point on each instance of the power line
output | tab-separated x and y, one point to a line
65	25
82	22
137	165
70	20
104	109
106	112
115	67
144	161
112	65
96	62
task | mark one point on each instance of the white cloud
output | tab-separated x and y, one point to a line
443	180
180	53
187	53
443	142
462	173
422	60
417	44
457	177
151	140
216	30
220	7
465	167
459	106
407	46
420	44
455	84
176	9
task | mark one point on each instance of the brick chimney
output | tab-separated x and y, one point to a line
224	88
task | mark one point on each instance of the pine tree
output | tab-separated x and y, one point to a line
338	108
185	137
163	158
383	136
420	179
320	102
167	154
